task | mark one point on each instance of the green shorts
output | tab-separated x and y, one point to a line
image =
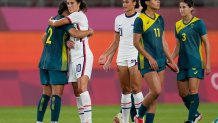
147	70
190	73
53	77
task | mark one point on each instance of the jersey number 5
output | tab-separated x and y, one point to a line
157	32
48	41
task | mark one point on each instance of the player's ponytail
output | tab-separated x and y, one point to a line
83	5
144	6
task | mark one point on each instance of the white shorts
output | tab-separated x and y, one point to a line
128	63
80	67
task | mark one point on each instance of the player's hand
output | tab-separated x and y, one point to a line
50	21
102	59
153	63
70	44
107	66
208	69
91	32
175	67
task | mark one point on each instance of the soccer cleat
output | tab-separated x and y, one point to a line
118	118
138	120
197	118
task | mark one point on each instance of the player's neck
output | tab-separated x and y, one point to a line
130	13
187	18
150	13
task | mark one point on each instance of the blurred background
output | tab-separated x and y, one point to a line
22	23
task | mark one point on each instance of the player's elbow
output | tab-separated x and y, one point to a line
74	33
135	43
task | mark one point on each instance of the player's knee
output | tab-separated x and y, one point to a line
156	93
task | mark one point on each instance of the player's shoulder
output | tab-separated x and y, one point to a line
179	22
121	16
57	17
198	20
78	14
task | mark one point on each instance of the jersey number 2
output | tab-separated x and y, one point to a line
48	41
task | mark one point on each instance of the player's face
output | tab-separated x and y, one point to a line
154	4
73	6
184	9
128	5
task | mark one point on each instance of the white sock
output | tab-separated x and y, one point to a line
126	106
87	106
80	109
38	122
138	98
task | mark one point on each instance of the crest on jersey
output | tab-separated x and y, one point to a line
192	25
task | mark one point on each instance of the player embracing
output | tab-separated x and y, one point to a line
81	57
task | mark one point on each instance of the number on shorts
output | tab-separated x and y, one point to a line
78	68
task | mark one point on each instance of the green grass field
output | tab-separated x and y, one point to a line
166	113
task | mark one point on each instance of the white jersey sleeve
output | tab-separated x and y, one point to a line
74	17
116	25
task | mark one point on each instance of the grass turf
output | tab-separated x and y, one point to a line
166	113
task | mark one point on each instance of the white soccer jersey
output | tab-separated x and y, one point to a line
124	25
81	48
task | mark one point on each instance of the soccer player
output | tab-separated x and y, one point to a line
53	65
190	33
81	57
149	40
129	75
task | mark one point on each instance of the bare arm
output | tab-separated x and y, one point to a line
107	64
112	49
136	41
80	34
114	45
206	43
176	50
44	38
166	49
57	23
167	52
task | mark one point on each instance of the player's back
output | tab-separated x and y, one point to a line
54	56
